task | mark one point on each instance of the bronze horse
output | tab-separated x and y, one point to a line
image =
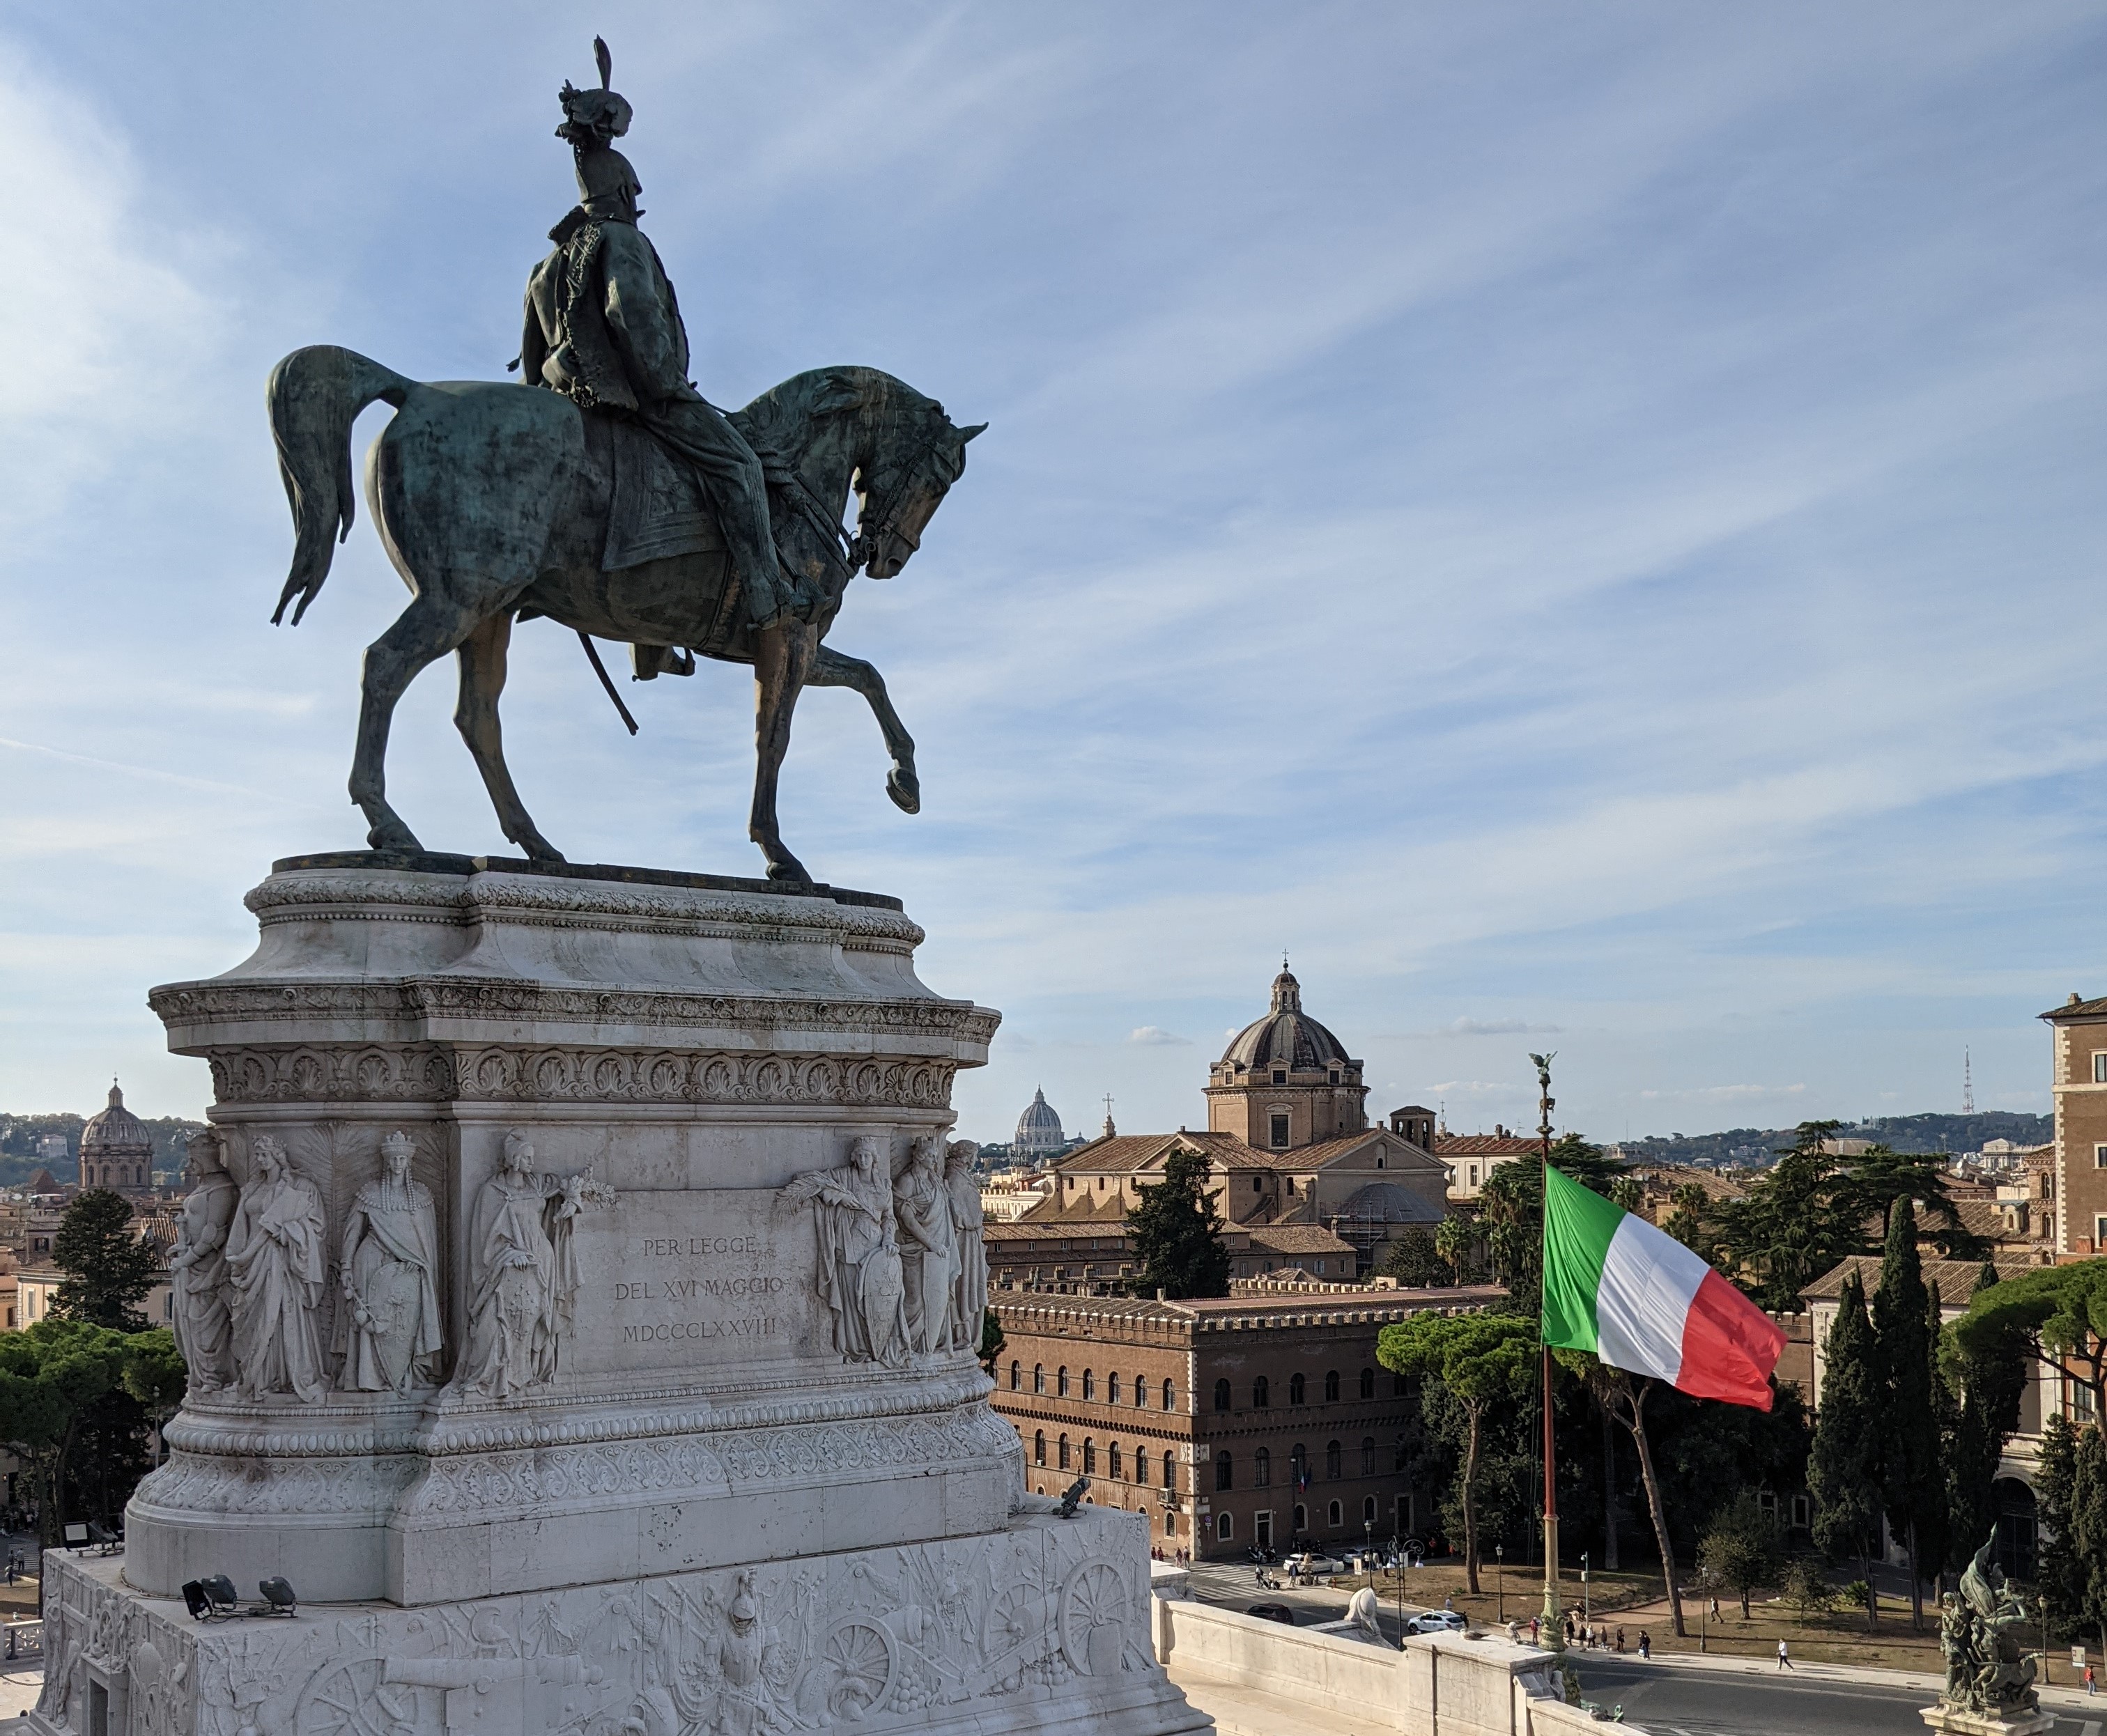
493	502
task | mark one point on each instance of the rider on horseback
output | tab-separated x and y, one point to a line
604	328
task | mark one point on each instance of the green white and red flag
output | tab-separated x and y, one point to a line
1641	1301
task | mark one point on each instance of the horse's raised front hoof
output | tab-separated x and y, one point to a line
391	834
905	788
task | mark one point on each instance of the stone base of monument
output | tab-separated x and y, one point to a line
1962	1722
581	1307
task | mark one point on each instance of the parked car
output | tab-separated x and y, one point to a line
1273	1612
1307	1565
1436	1621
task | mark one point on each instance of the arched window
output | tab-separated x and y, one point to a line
1330	1460
1398	1457
1038	1377
1061	1381
1332	1387
1039	1447
1297	1392
1112	1389
1397	1386
1090	1457
1225	1474
1170	1524
1223	1528
1367	1455
1016	1376
1261	1394
1368	1383
1221	1395
1301	1519
1064	1452
1171	1472
1141	1466
1262	1468
1113	1462
1368	1509
1298	1465
1333	1515
1089	1388
1168	1391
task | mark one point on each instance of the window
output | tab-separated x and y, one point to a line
1140	1393
1262	1524
1221	1395
1141	1467
1113	1462
1402	1517
1298	1466
1280	1075
1397	1386
1166	1395
1089	1388
1332	1460
2100	1234
1279	1134
1367	1455
1262	1468
1225	1474
1802	1512
1016	1377
1171	1472
1061	1381
1170	1524
1368	1383
1038	1377
1064	1452
1039	1447
1296	1391
1474	1175
1398	1455
1330	1378
1112	1389
1335	1075
1333	1514
1301	1519
1090	1457
1261	1394
2100	1157
2099	1067
1222	1529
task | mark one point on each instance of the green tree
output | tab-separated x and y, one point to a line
1415	1260
108	1270
992	1342
2060	1313
1807	1586
1739	1549
1784	1233
1624	1395
1482	1361
1865	1189
1844	1467
1512	1203
1456	1241
1905	1335
1984	1384
1689	1221
1177	1233
2071	1489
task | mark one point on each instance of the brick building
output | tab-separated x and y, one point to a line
2079	1076
1251	1419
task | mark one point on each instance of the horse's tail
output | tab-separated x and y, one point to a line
314	396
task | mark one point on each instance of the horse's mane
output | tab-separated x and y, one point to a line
803	398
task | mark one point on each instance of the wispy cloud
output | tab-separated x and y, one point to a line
1154	1036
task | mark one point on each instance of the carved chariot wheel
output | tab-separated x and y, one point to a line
1013	1619
858	1664
350	1699
1094	1616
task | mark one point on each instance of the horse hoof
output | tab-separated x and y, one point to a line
392	835
539	848
788	867
905	790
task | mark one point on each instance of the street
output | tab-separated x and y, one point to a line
1670	1699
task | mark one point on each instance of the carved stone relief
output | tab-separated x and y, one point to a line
276	1265
859	1275
389	1325
197	1268
969	1286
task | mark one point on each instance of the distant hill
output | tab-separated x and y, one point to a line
18	1135
1742	1147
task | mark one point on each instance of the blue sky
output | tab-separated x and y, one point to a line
1583	524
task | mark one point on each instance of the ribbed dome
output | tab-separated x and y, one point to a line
1385	1202
1287	1036
1039	1127
115	1132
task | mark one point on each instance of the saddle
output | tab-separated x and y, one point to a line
657	507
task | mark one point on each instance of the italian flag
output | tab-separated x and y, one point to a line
1641	1301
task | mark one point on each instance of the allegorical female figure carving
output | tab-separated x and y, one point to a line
276	1269
197	1268
390	1328
969	1287
928	1255
859	1277
523	1277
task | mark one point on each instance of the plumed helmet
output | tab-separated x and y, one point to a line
592	120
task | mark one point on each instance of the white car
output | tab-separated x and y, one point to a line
1307	1566
1436	1622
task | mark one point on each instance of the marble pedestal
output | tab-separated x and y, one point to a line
592	1324
1960	1722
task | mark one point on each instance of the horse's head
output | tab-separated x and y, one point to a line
915	457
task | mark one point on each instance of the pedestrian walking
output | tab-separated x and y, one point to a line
1645	1643
1715	1609
1784	1662
1620	1640
2091	1682
1536	1629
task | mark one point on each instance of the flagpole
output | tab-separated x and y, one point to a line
1554	1631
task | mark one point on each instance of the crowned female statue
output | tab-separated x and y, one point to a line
390	1327
276	1268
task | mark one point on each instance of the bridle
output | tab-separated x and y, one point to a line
868	537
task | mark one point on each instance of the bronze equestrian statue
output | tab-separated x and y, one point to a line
612	497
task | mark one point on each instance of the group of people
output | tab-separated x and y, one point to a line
1586	1636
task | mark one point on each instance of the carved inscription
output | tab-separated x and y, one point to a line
702	1287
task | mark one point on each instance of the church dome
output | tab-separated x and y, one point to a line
115	1132
1287	1036
1039	1127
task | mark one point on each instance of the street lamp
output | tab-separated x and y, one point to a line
1587	1608
1500	1558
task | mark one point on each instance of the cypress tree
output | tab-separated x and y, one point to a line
1177	1233
108	1270
1987	1378
1912	1481
1843	1468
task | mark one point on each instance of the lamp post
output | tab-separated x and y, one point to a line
1553	1617
1587	1607
1500	1560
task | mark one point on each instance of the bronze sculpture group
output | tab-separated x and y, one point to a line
607	494
1988	1671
